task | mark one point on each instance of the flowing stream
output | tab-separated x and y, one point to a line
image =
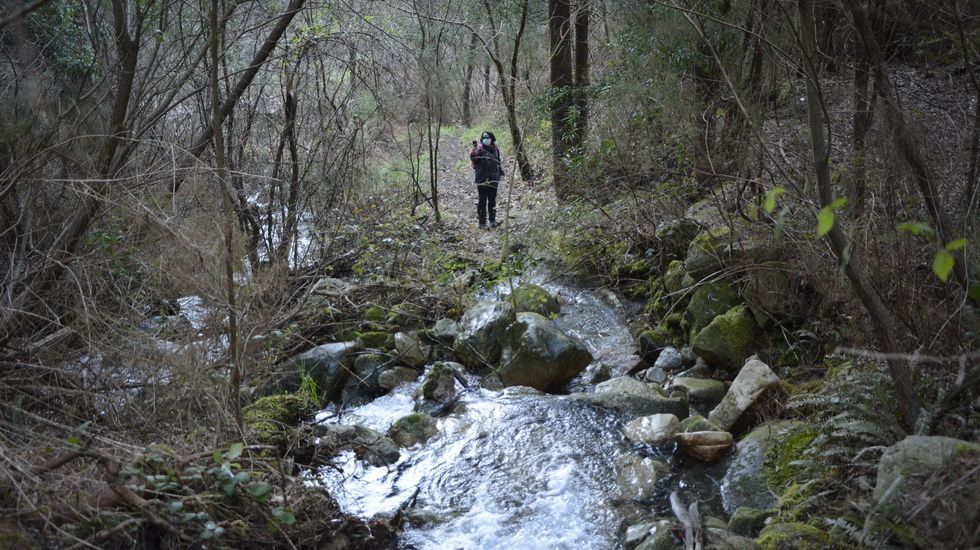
517	468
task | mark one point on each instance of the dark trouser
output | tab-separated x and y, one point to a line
488	202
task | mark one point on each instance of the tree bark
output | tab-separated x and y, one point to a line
559	14
581	73
883	324
234	380
508	80
468	82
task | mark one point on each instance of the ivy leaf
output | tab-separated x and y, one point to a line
916	228
942	265
956	245
769	205
235	451
75	440
825	220
284	516
260	491
838	203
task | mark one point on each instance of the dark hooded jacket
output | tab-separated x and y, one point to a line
487	164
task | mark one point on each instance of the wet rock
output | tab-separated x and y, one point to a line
363	384
440	382
376	339
413	429
699	370
751	385
655	375
666	534
533	298
636	533
396	376
323	364
621	364
654	429
637	476
747	521
700	389
669	359
371	446
728	338
537	354
706	446
410	350
688	357
445	331
709	301
596	374
478	341
744	483
634	398
724	539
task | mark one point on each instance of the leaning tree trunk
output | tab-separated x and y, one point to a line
581	73
468	82
883	324
559	14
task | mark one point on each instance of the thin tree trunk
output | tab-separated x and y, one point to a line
907	147
290	218
882	322
559	14
581	73
234	381
468	82
508	80
861	125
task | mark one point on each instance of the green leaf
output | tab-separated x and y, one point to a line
916	228
825	220
956	245
838	203
974	292
217	456
235	451
260	491
284	516
75	440
769	205
942	265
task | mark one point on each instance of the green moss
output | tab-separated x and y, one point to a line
728	339
534	298
269	417
377	340
411	429
788	536
376	314
674	277
707	242
710	301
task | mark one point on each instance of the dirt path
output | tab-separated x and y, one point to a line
529	202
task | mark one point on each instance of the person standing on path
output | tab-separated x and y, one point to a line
485	157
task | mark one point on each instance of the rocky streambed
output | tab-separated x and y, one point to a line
531	422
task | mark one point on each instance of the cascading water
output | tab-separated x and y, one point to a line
509	469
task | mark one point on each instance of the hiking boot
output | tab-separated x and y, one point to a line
494	224
483	226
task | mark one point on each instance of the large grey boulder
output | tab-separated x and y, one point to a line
700	389
413	429
480	330
709	301
537	354
396	376
371	446
438	389
634	399
706	446
728	339
410	351
751	384
323	364
363	384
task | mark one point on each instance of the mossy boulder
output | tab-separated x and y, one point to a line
697	423
792	536
700	389
480	330
728	339
766	461
413	429
406	315
675	277
704	252
535	299
377	340
270	418
675	236
440	382
396	376
709	301
652	342
537	354
363	384
326	365
747	521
